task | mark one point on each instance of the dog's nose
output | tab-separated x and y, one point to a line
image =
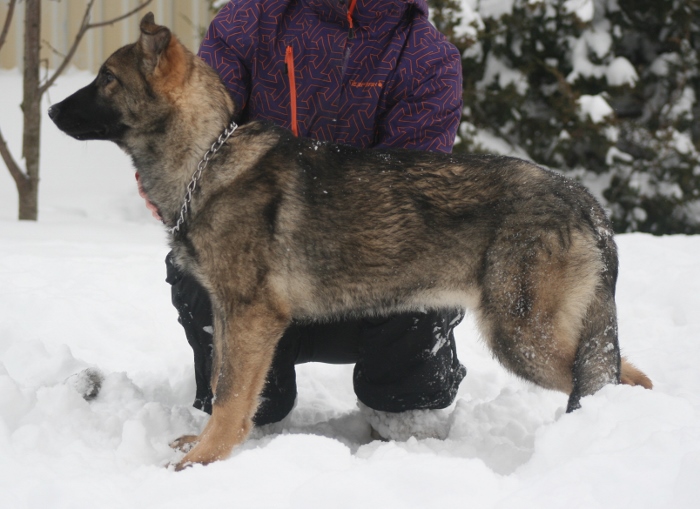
54	111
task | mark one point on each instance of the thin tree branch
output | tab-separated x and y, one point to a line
8	21
17	174
53	50
78	37
123	16
85	25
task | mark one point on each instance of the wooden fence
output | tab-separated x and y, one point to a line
61	19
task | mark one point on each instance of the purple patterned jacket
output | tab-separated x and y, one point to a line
382	76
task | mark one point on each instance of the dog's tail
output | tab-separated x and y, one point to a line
631	375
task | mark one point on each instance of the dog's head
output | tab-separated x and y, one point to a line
136	90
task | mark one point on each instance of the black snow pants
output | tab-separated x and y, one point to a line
402	362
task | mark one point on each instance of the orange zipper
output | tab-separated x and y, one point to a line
351	9
289	64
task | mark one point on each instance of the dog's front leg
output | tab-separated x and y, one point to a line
244	343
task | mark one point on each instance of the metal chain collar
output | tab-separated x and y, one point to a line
197	175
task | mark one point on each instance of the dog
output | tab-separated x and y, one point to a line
277	228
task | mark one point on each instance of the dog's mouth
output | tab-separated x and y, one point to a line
86	134
99	134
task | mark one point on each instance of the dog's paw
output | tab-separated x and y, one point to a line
185	444
179	467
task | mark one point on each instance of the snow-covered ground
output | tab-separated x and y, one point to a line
84	287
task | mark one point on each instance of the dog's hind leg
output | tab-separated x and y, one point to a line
597	360
548	312
245	343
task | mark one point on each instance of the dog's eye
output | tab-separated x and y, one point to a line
107	77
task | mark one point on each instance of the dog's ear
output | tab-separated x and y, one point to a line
153	42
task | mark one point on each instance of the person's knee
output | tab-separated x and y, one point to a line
409	362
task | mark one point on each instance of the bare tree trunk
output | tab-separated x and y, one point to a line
31	108
15	171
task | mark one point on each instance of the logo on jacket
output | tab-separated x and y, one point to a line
366	84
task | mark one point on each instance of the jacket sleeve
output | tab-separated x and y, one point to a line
234	23
425	113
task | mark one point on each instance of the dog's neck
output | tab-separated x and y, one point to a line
167	161
194	181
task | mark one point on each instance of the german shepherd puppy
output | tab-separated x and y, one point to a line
279	227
